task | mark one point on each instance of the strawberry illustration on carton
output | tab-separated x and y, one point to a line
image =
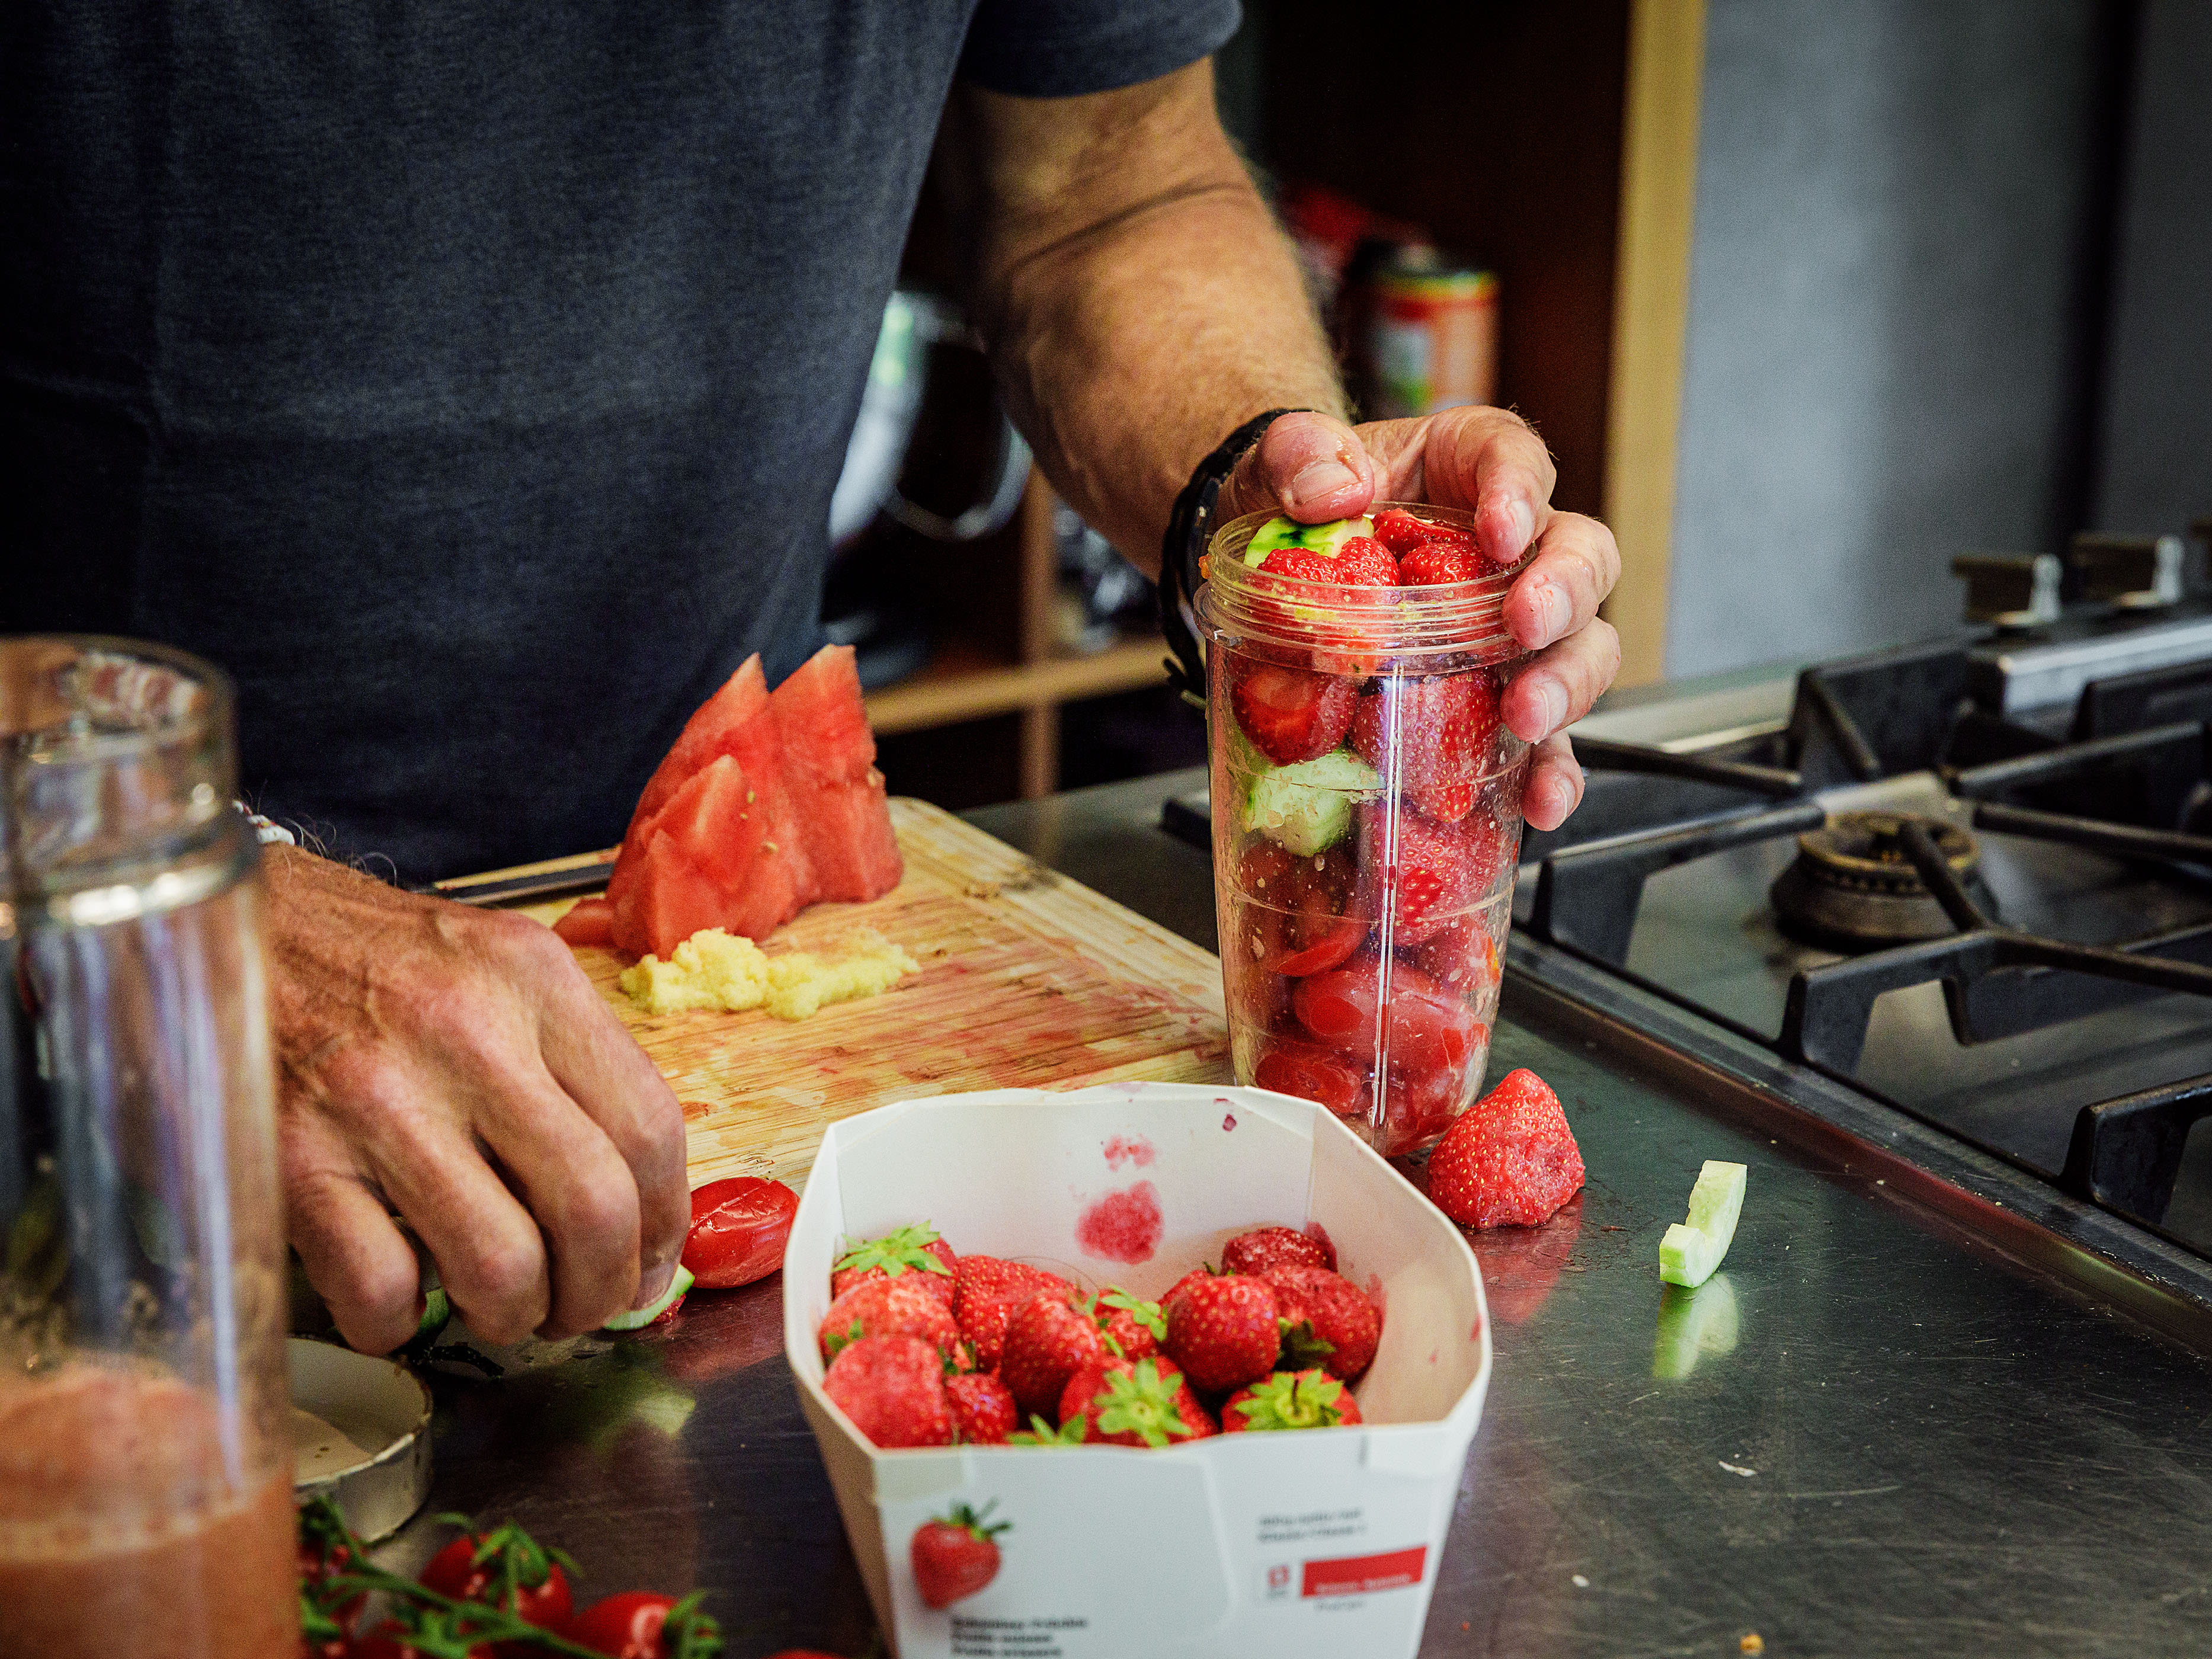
1320	1541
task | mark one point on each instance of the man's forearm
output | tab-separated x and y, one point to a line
1138	298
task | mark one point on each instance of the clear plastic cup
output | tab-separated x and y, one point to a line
1366	832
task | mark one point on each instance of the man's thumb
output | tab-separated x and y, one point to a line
1309	466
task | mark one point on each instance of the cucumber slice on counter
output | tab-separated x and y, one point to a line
638	1318
1289	532
1689	1253
1306	809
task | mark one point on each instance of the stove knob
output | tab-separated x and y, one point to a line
2136	572
2013	590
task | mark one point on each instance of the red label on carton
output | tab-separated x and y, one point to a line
1360	1574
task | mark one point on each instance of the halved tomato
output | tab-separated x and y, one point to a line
738	1229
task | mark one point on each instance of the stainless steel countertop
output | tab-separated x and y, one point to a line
1922	1441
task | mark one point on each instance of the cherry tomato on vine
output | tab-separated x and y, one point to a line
505	1568
640	1624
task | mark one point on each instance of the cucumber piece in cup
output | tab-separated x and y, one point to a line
1306	809
1325	538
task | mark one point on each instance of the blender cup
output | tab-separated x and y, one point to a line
1367	831
145	1451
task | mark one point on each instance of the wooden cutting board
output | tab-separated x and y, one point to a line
1027	979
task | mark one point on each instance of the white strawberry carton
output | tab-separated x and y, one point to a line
1319	1542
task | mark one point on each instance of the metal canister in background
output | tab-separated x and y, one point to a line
1431	336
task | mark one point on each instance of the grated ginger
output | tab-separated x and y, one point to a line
716	970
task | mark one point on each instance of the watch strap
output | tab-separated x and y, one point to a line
1190	526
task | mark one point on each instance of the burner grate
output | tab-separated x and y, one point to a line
1905	711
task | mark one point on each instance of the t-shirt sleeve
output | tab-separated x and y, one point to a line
1062	48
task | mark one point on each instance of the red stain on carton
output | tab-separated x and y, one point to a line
1128	1149
1122	1226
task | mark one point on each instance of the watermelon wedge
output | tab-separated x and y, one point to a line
766	804
836	795
672	899
704	736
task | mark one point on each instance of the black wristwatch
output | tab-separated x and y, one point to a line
1189	528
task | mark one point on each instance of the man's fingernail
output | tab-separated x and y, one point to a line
1524	527
1553	696
1317	479
1552	612
652	1285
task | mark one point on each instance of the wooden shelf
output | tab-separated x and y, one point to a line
963	683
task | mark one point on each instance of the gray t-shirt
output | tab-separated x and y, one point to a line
469	379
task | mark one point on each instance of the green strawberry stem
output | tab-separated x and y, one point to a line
971	1521
1302	1351
895	1252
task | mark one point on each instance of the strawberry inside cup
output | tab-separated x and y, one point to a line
1366	809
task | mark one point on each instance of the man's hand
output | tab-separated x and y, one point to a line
1487	462
456	1067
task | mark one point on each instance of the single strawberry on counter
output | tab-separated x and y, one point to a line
1049	1339
893	1390
918	1250
888	1307
1129	1327
1132	1402
982	1408
1275	1246
1325	1321
1289	1400
1291	714
956	1555
1509	1160
1223	1331
987	1291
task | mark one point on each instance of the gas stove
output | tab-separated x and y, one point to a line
1964	887
1971	879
